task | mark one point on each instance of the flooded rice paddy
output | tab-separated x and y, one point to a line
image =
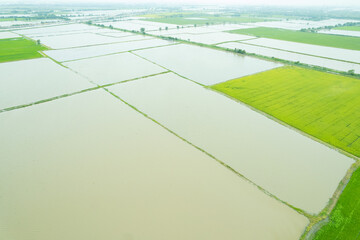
92	51
315	50
302	24
341	32
289	165
4	35
117	34
58	29
138	24
114	68
25	82
204	65
90	167
291	56
213	38
76	40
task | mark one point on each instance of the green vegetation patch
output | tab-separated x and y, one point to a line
18	49
344	220
326	106
349	28
328	40
204	20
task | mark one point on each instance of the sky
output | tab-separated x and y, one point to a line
220	2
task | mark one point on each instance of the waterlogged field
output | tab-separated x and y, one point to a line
124	135
4	35
29	81
114	68
76	40
341	32
326	106
212	38
295	57
57	29
302	24
92	167
314	50
93	51
344	220
203	65
294	168
346	42
204	20
117	34
136	25
14	49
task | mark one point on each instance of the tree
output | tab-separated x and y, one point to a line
177	27
38	42
351	72
111	27
166	28
142	30
159	28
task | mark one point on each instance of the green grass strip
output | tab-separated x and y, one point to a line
344	220
337	41
349	28
14	49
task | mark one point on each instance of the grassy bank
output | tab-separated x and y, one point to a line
19	49
327	40
344	220
326	106
349	28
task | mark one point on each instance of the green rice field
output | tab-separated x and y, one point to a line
349	28
19	49
344	220
326	106
337	41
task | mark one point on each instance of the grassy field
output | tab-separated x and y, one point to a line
337	41
344	220
349	28
202	20
18	49
326	106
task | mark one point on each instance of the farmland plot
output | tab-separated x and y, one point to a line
213	38
341	32
13	49
326	106
295	57
76	40
114	68
90	164
57	29
300	24
289	165
4	35
38	79
92	51
321	51
136	25
203	65
335	41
